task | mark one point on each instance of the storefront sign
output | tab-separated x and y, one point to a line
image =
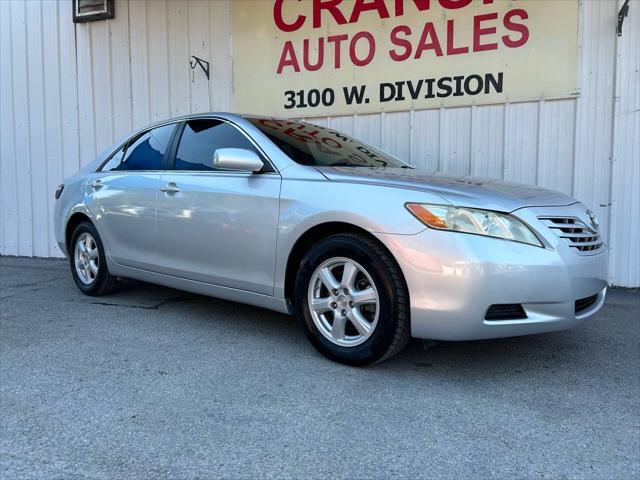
301	58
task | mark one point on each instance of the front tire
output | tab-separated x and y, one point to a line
88	263
351	300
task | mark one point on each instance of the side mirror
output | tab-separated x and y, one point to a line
237	159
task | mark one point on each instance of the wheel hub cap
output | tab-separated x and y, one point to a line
343	301
86	258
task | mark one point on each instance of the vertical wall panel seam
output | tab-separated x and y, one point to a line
580	49
594	102
77	105
29	150
212	82
580	65
15	143
167	57
440	129
59	73
3	247
598	101
411	136
113	94
146	42
230	54
93	93
610	197
575	147
505	139
356	123
470	142
13	130
538	140
46	129
190	83
130	64
3	232
230	16
472	113
382	125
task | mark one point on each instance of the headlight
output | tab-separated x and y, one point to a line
472	220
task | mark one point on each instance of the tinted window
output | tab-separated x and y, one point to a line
201	138
114	162
309	144
145	153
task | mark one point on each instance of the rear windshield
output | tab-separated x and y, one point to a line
313	145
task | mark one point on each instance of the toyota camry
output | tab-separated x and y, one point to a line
302	219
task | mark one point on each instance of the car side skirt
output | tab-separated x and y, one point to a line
193	286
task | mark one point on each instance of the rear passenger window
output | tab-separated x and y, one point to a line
201	138
145	153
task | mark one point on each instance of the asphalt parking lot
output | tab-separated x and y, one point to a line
155	383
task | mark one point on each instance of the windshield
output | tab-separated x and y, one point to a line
318	146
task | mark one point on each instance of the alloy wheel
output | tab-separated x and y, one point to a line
86	258
343	301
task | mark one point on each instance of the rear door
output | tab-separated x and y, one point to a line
217	226
122	198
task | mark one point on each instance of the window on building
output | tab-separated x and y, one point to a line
89	10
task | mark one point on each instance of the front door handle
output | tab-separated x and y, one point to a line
170	188
96	184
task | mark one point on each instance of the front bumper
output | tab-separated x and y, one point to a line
453	279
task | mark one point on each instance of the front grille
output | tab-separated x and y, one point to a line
506	311
584	303
575	233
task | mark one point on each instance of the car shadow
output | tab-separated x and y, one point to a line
528	354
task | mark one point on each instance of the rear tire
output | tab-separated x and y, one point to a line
351	300
88	264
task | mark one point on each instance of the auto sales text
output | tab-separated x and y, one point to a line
435	38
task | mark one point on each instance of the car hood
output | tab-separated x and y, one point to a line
464	191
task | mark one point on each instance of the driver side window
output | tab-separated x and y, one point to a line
113	163
201	138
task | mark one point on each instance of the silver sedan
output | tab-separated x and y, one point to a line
298	218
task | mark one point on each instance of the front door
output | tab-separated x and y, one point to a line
216	226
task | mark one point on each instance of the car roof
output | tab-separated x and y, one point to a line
195	116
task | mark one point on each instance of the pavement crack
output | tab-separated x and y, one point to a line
38	283
143	307
4	297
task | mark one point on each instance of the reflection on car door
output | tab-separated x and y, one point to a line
216	226
122	198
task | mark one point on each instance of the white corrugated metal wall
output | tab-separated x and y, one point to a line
624	232
68	91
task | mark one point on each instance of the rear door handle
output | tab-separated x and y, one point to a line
96	184
170	188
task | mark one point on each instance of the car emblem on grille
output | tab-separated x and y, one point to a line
593	219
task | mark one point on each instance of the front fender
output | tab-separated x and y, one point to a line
305	204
